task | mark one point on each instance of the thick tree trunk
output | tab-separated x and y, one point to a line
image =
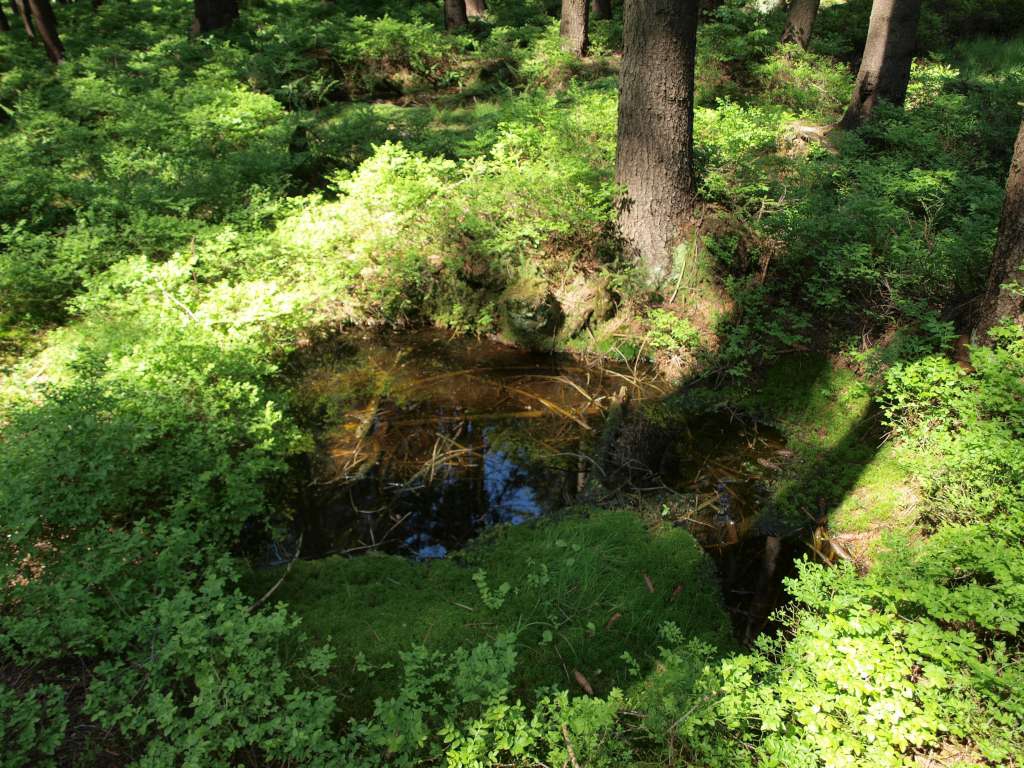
21	11
455	14
654	158
46	24
601	9
885	69
213	14
1004	297
574	26
475	8
800	22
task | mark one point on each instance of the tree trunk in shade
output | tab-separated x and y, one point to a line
601	9
800	22
213	14
455	14
885	69
21	11
654	157
573	28
46	25
1004	297
475	8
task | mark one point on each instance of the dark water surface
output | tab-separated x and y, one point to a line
424	441
427	440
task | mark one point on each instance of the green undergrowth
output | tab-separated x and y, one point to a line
366	154
573	592
920	657
831	424
177	215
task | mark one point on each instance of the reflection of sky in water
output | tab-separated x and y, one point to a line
509	498
431	552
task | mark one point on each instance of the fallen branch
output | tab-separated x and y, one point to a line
568	746
366	547
553	407
273	589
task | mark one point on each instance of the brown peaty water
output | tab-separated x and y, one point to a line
424	441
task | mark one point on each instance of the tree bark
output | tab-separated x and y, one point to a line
574	26
455	14
46	25
213	14
654	157
601	9
21	10
885	69
1004	297
800	22
475	8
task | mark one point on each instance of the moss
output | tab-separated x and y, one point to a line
530	315
884	501
840	467
567	579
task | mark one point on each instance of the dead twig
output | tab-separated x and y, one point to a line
568	746
366	547
273	589
672	729
553	407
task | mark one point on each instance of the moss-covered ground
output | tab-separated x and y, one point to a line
574	590
844	470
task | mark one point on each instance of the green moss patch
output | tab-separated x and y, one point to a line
840	466
576	591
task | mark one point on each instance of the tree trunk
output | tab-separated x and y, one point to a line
1004	297
573	27
21	10
46	25
885	69
475	8
800	22
213	14
601	9
455	14
654	157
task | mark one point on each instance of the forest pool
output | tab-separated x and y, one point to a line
423	441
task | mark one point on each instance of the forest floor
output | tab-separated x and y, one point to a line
183	220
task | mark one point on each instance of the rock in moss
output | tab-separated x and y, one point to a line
585	301
530	315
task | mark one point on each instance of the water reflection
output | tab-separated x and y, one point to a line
425	441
